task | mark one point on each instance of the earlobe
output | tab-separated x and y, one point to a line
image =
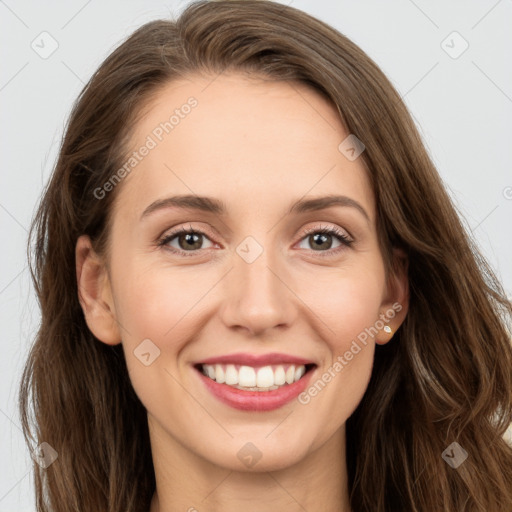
396	304
94	293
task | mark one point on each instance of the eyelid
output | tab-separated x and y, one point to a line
328	229
210	232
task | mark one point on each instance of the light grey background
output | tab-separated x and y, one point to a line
462	105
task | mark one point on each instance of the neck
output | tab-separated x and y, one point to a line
187	482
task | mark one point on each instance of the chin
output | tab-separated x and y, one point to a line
258	454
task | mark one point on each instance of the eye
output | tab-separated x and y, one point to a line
187	240
321	239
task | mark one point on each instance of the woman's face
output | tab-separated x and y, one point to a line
256	287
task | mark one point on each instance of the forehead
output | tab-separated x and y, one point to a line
248	141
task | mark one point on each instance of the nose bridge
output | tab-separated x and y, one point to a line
257	297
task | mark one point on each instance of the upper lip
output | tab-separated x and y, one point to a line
256	360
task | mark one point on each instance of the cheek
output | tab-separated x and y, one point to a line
347	302
162	306
155	303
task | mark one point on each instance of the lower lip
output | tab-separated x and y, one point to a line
256	400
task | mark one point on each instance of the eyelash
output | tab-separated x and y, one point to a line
341	236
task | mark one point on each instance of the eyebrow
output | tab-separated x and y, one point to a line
218	207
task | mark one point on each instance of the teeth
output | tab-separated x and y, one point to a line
219	376
265	377
211	372
279	376
231	374
248	378
299	372
290	374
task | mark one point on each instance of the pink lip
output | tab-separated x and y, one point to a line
255	360
256	400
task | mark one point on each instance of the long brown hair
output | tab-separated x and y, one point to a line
446	375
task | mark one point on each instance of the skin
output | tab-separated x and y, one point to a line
258	146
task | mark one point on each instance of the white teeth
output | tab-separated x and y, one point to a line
246	377
231	374
290	374
279	376
264	378
299	372
220	376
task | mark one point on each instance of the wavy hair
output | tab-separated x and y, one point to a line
445	376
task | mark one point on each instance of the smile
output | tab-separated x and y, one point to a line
255	383
248	378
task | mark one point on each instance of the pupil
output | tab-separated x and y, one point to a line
191	238
323	237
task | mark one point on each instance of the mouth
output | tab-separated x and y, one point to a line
255	378
255	387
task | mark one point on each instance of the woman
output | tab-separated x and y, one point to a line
200	348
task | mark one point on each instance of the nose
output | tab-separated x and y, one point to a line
258	295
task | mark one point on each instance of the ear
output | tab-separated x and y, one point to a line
94	293
395	304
